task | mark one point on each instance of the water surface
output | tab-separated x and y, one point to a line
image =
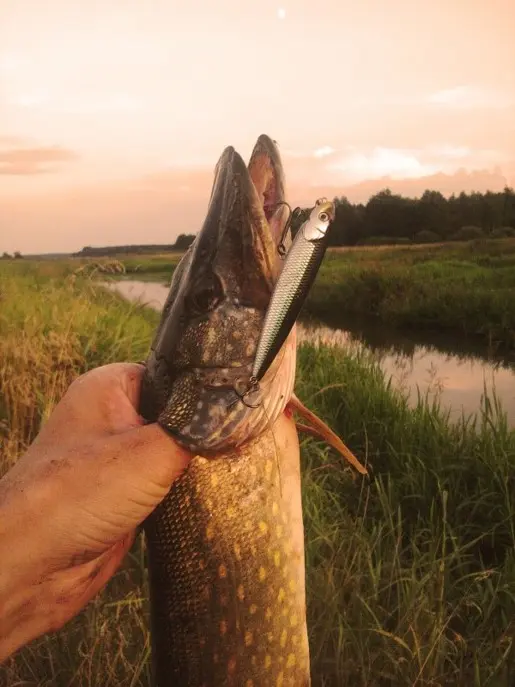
456	375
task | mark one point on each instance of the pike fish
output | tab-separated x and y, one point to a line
226	545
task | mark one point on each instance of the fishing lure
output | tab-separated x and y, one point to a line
300	268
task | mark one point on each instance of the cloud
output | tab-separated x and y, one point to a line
362	171
28	161
397	163
324	151
352	165
470	97
480	180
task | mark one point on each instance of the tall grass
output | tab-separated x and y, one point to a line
410	575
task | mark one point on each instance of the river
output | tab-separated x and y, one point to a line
417	364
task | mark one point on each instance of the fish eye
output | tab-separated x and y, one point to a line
206	295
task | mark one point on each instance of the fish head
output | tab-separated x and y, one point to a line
197	382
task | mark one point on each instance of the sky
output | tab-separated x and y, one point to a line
113	113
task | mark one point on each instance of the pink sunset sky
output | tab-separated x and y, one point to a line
113	113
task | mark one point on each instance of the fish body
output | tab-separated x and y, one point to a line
225	547
300	268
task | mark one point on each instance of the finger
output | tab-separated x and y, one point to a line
153	458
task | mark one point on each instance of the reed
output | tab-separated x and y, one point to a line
410	574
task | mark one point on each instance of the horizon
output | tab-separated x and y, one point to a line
113	120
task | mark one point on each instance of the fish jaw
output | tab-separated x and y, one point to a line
200	366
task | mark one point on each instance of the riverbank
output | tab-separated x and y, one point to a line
409	574
464	290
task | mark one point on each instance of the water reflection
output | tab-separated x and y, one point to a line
456	377
145	292
458	381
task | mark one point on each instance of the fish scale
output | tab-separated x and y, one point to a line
224	557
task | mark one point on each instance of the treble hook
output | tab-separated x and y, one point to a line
253	385
281	248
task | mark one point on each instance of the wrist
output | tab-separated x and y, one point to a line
17	598
21	615
18	615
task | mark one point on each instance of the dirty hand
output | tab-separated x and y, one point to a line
70	505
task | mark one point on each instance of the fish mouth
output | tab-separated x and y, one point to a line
200	366
244	223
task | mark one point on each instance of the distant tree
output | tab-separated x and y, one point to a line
427	236
508	213
6	256
388	218
389	214
503	233
348	225
184	241
17	255
468	233
434	214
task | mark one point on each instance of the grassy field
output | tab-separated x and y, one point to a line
463	289
467	289
410	575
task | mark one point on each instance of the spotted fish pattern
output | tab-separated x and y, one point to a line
232	605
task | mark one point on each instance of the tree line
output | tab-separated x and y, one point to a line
7	256
386	218
182	242
393	218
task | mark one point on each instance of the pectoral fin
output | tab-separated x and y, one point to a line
318	429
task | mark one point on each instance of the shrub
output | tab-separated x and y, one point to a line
503	232
385	241
427	236
468	233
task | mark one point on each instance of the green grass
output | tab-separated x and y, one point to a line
410	575
465	289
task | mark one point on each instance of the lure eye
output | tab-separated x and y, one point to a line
323	216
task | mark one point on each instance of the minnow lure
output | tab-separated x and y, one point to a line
300	268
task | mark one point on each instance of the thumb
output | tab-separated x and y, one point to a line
154	456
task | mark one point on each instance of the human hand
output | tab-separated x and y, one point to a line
70	506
